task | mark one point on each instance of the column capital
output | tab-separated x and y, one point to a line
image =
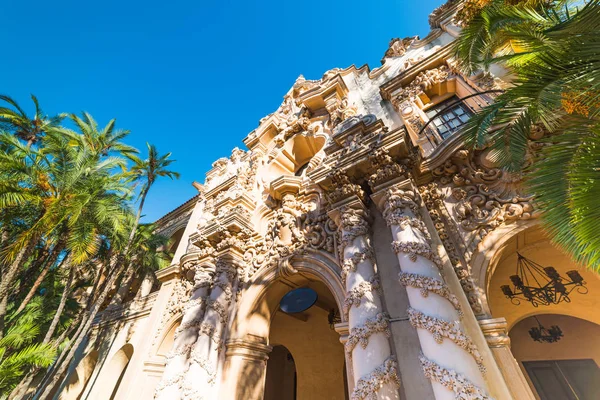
382	195
254	349
343	190
352	206
495	331
343	328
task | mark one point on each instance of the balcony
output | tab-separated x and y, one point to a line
446	118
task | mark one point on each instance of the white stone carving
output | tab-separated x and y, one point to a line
432	285
463	388
442	329
360	334
414	249
367	386
354	296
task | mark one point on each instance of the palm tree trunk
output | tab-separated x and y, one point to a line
49	262
9	277
82	334
117	270
61	306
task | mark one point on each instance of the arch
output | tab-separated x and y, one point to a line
248	346
112	373
167	338
78	379
566	361
497	261
265	289
175	238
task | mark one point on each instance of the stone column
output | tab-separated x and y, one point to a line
201	377
450	358
170	387
374	368
496	335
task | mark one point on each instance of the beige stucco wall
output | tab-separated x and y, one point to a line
317	352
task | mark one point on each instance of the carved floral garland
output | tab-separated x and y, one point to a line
180	351
350	264
441	329
209	330
463	388
414	249
367	387
354	296
427	284
397	200
174	380
193	323
404	221
362	333
205	365
219	309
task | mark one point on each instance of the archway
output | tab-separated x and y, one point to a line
282	379
565	369
112	374
79	378
546	366
260	326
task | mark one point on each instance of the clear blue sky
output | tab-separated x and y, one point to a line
191	77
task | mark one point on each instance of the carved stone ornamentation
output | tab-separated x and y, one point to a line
424	81
442	329
204	363
359	256
386	169
367	386
484	195
398	47
463	389
361	334
427	285
354	296
343	188
341	111
414	249
434	201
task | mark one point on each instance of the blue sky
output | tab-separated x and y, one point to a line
191	77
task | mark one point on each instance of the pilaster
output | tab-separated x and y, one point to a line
495	331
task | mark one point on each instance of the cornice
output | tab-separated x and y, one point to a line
167	274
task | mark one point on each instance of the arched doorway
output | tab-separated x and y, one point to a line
282	379
261	329
112	373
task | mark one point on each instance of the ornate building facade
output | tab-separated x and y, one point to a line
360	187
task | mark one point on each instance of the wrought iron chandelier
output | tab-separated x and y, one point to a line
541	334
541	285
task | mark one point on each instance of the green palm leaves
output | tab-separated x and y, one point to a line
68	226
553	52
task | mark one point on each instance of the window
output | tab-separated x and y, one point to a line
449	116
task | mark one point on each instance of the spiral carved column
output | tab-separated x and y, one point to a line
201	377
170	387
374	367
450	358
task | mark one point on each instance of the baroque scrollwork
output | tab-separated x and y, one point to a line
386	169
367	386
343	188
441	329
427	285
484	195
425	80
361	334
434	201
463	388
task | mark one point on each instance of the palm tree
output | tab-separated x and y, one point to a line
14	119
145	171
19	350
101	142
553	51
